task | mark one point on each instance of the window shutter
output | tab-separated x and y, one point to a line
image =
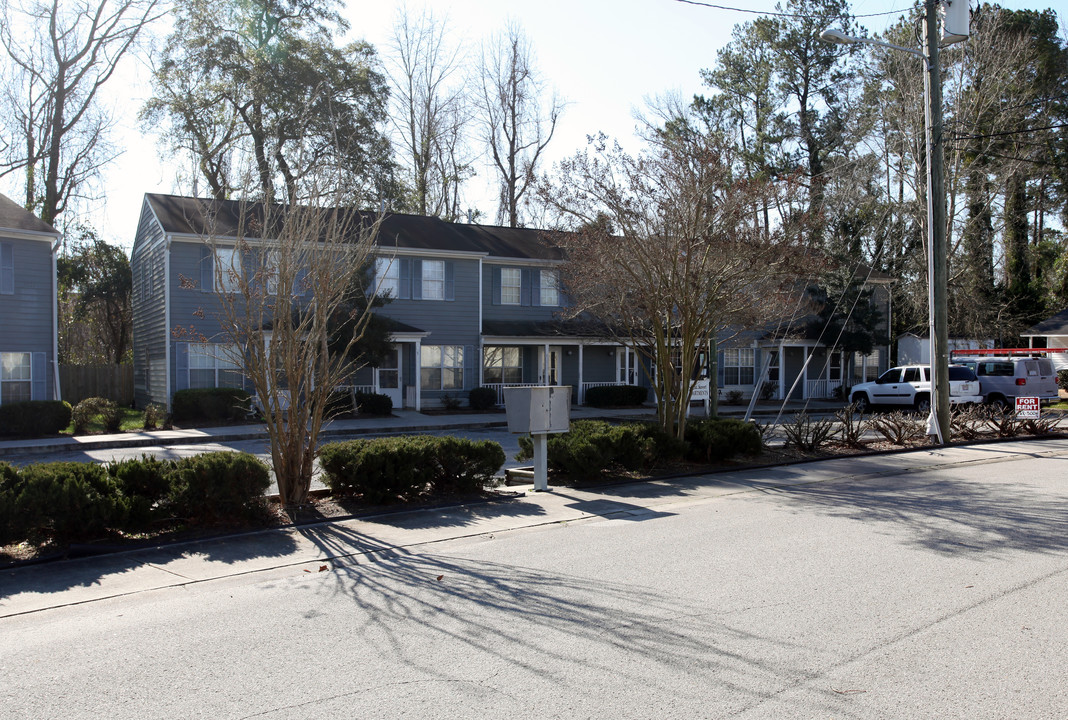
535	288
39	374
524	288
207	269
450	280
719	369
417	279
405	292
495	275
181	366
7	269
470	366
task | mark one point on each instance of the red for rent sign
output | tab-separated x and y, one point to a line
1027	408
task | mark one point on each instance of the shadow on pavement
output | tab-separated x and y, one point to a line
944	514
459	515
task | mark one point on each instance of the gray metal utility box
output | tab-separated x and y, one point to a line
538	410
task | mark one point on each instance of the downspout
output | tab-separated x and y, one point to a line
167	317
57	394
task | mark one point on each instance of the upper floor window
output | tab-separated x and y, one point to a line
7	268
511	286
15	377
387	276
550	287
433	279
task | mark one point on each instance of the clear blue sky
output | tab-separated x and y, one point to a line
604	58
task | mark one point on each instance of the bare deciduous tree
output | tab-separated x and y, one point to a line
429	115
665	252
61	54
279	294
517	122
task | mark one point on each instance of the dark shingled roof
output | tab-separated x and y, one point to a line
222	218
1056	325
15	217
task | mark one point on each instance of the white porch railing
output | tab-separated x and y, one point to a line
822	389
499	388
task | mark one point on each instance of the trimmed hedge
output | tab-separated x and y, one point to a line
91	408
64	501
219	486
616	396
373	404
210	404
593	446
34	417
716	439
393	469
146	483
482	398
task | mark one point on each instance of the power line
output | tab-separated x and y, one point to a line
779	14
1009	132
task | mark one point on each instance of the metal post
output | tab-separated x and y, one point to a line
541	465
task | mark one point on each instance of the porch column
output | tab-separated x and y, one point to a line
782	373
580	395
418	375
545	365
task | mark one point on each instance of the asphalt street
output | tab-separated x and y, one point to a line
928	584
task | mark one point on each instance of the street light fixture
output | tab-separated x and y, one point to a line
938	420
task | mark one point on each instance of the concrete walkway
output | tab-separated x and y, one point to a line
401	421
313	548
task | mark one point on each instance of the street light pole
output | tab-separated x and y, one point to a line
938	314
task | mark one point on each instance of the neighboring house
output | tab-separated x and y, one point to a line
1051	333
914	349
28	344
472	305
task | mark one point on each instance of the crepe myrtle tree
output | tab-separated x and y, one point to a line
283	284
667	252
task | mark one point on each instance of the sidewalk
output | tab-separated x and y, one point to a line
293	551
401	421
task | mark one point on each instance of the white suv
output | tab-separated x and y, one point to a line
911	385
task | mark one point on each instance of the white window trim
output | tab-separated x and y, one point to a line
433	287
507	287
552	287
441	366
500	352
11	381
736	359
387	276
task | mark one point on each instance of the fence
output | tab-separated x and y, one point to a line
114	382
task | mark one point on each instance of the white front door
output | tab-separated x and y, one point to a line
388	377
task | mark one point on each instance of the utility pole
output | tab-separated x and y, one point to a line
936	216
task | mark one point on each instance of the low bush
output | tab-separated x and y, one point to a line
732	397
96	408
899	428
384	470
592	446
717	439
853	425
9	478
373	404
156	417
339	402
218	487
65	501
806	433
34	417
146	484
616	396
450	402
210	404
1062	379
482	398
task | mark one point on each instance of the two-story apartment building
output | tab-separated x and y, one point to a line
471	305
28	345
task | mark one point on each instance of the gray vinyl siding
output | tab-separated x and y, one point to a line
26	315
149	313
598	364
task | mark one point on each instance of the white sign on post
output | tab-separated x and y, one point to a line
1028	408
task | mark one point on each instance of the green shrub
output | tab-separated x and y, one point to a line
9	479
210	404
717	439
482	398
156	417
219	486
145	482
379	469
66	501
34	417
1062	379
593	446
90	409
373	404
616	396
339	402
464	466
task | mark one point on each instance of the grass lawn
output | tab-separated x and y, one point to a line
131	420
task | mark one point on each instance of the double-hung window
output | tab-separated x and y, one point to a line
229	269
7	268
212	365
511	286
503	365
738	366
433	279
550	288
387	276
15	377
441	367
